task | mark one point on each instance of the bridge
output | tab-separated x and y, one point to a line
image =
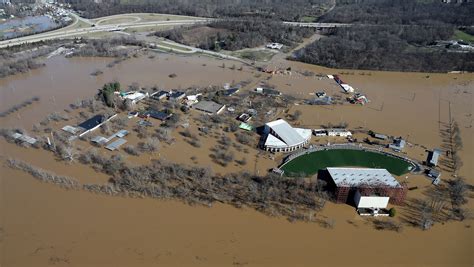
316	24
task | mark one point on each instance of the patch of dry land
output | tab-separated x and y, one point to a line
42	224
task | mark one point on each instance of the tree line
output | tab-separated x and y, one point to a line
275	9
391	47
241	33
400	12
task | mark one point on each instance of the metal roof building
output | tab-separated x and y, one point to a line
159	115
282	137
94	123
116	144
24	138
159	95
209	107
433	157
176	95
398	144
355	177
371	183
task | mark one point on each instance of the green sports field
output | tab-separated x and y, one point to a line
310	164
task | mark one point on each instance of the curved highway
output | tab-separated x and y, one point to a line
69	32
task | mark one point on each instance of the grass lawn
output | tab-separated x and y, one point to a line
307	19
310	164
258	55
460	35
174	47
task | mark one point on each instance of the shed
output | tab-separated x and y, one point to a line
434	173
121	133
398	145
159	95
246	126
433	157
380	136
24	138
100	140
116	144
70	129
244	117
370	202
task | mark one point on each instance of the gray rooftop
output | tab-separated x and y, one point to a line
208	106
362	176
116	144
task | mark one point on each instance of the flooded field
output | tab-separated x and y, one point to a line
45	225
64	81
17	27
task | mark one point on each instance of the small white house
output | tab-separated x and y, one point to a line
192	99
370	202
277	46
370	205
134	96
339	132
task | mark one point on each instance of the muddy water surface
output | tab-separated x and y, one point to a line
43	225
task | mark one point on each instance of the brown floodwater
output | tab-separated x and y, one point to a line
64	81
43	225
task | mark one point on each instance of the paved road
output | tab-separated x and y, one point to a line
316	25
69	31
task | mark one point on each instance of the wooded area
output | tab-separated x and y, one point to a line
400	12
238	34
393	47
276	9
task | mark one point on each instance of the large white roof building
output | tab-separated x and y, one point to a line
282	137
355	177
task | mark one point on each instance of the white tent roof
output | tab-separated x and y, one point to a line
305	133
289	135
361	176
273	141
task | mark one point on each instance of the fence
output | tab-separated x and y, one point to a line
379	149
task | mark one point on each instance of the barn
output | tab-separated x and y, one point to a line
365	187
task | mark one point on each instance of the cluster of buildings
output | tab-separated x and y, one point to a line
370	190
267	91
91	125
194	101
346	87
321	99
332	132
356	97
87	126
